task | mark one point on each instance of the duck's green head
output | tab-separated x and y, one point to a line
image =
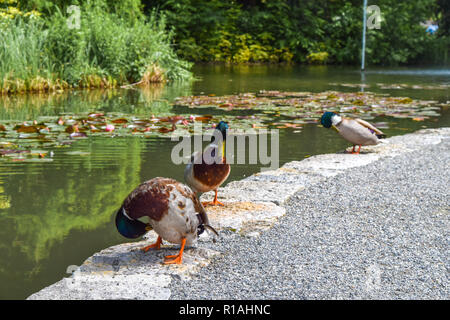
222	126
326	119
130	228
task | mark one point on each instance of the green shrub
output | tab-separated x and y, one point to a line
317	57
108	49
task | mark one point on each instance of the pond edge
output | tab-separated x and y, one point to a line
253	205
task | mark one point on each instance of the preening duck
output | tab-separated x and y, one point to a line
204	173
356	131
174	213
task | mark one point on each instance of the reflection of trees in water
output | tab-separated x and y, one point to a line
5	200
136	100
48	203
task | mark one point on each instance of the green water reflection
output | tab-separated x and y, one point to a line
55	214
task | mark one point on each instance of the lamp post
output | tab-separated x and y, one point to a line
363	51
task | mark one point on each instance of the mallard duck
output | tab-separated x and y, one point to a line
174	213
204	176
356	131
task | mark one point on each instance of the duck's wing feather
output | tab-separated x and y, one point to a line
369	126
150	198
186	192
200	209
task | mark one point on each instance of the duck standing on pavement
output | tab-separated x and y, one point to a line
356	131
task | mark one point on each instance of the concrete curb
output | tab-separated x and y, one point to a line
252	205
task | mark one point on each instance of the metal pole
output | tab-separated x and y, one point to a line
363	52
363	80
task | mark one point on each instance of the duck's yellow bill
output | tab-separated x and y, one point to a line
223	149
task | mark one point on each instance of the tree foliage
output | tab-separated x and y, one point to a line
280	30
236	31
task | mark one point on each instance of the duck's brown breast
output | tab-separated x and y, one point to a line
212	175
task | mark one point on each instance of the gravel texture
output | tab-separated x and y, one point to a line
332	226
379	231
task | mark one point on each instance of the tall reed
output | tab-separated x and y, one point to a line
105	51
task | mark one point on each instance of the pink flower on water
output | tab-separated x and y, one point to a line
109	127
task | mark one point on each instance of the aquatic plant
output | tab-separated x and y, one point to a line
33	139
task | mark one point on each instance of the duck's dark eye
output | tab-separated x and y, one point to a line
200	229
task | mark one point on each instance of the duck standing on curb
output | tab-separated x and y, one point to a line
356	131
202	176
174	211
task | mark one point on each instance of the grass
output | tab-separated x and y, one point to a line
39	55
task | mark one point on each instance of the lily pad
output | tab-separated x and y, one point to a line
264	109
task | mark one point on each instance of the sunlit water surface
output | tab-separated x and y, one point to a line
55	214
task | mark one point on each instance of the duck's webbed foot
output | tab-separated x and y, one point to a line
177	258
215	202
156	245
356	152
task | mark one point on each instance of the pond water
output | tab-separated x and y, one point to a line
57	213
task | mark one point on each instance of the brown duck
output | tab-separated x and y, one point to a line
173	210
204	173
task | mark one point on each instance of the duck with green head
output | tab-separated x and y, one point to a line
356	131
202	174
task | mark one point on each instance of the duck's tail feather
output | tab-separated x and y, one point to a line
207	226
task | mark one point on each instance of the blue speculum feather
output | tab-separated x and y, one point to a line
131	229
326	119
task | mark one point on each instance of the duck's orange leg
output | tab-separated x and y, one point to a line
156	245
215	202
357	152
178	258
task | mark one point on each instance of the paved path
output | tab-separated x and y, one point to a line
379	231
333	226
